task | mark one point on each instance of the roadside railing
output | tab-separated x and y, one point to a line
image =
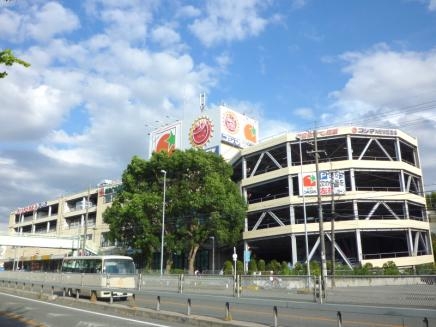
404	290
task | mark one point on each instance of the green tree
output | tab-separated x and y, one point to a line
201	201
7	58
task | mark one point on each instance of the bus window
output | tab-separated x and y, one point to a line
119	266
68	266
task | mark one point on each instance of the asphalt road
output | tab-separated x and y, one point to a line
22	311
210	308
289	313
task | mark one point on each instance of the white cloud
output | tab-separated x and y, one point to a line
432	5
391	89
28	113
188	12
228	20
50	20
383	77
165	36
9	25
305	113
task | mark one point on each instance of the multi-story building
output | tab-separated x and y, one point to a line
371	195
72	216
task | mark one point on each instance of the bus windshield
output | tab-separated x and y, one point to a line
119	266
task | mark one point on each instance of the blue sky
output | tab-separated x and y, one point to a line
104	71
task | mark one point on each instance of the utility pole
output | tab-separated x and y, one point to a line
332	183
320	213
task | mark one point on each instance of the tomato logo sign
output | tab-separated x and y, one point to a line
250	133
231	122
201	131
309	180
166	143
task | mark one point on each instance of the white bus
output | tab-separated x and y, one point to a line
101	276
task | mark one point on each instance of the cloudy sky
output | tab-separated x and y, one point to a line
105	72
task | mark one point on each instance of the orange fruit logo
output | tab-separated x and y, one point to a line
201	131
166	143
250	133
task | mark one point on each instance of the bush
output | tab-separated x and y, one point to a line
239	267
390	268
228	268
299	269
261	265
252	266
284	269
315	268
426	269
274	266
363	270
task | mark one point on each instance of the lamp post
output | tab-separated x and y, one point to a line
213	254
163	221
304	210
235	282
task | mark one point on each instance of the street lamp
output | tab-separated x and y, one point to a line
164	172
213	254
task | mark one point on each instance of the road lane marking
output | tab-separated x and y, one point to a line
87	311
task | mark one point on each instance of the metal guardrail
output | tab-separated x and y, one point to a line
411	293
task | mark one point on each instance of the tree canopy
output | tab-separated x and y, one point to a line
201	201
7	58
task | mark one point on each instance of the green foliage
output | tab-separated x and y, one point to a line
315	268
363	270
7	58
228	267
284	269
261	266
274	266
201	201
390	268
343	270
239	267
299	269
426	269
252	266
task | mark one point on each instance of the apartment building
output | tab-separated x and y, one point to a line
76	216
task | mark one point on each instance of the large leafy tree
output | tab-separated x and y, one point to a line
7	58
201	201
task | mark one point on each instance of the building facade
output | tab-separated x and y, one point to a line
371	194
76	216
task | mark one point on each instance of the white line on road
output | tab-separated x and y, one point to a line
87	311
